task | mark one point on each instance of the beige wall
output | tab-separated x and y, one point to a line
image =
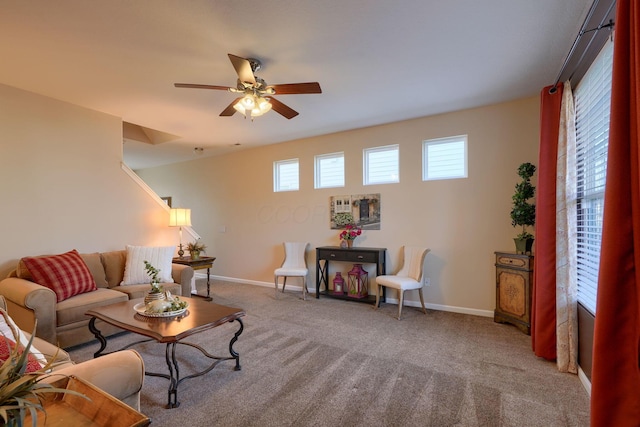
463	221
62	185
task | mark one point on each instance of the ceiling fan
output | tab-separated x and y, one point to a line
257	97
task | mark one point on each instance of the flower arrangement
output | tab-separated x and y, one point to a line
350	232
153	275
196	247
343	218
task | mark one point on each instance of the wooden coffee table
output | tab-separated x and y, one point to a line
200	316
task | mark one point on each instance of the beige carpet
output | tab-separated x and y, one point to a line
340	363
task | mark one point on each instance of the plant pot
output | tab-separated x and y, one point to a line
154	296
523	246
194	255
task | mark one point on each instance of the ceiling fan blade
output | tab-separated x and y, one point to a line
197	86
243	69
230	111
282	109
296	88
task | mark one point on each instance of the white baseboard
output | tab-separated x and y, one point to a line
584	380
312	290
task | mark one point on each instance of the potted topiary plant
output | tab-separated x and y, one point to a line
523	212
195	248
156	292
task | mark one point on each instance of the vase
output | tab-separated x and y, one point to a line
343	244
523	246
154	296
195	255
350	243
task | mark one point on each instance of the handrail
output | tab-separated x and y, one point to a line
154	196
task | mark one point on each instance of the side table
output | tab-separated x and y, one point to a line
514	284
198	264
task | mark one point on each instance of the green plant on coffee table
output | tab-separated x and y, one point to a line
177	304
153	272
22	392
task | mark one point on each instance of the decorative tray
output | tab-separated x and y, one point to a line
140	308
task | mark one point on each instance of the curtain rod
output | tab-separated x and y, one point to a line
582	32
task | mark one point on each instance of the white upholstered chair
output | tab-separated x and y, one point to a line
294	265
409	277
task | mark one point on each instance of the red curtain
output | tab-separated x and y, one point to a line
543	306
615	398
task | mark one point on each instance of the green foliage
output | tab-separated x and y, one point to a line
196	247
523	212
153	275
22	392
343	218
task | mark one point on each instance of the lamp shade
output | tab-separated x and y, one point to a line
179	217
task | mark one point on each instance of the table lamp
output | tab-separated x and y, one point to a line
179	217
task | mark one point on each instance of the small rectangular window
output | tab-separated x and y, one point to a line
381	165
285	175
444	158
329	170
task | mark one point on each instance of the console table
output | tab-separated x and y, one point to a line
325	254
198	264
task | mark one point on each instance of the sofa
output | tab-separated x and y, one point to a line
64	323
121	374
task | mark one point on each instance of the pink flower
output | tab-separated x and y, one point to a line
350	232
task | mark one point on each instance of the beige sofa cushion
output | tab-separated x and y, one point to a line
73	310
114	262
94	263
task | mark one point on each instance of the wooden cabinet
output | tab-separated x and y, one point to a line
514	282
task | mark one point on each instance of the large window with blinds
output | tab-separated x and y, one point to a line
592	103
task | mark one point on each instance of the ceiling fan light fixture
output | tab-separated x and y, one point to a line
248	102
239	107
264	105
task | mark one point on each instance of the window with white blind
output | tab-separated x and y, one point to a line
285	175
592	104
444	158
381	165
329	170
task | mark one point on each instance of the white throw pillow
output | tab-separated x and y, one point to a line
159	257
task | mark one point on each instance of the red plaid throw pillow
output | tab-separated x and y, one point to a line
65	274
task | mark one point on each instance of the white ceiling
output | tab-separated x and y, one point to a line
377	61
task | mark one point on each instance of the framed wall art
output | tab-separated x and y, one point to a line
362	210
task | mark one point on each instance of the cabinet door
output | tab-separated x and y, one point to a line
512	292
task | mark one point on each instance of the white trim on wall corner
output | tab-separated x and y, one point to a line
586	383
134	176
